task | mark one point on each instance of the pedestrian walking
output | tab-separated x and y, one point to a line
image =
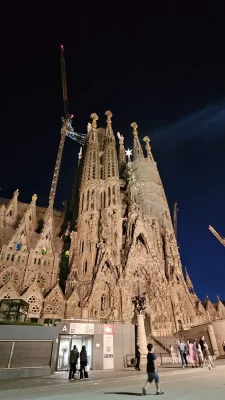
183	353
191	353
200	356
208	357
195	353
137	356
74	355
152	371
173	354
83	363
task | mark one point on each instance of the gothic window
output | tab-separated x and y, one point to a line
2	257
101	201
12	258
44	262
30	217
10	213
23	260
109	196
132	230
35	260
94	172
82	203
113	165
104	200
18	259
87	200
124	227
141	239
93	200
39	261
103	301
8	257
114	195
85	267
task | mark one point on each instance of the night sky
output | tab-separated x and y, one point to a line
162	67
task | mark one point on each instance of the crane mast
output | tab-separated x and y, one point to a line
217	235
66	130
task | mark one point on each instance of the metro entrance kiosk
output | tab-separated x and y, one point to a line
79	334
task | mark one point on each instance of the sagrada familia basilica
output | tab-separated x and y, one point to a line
114	241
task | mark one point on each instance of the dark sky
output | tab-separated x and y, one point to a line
155	65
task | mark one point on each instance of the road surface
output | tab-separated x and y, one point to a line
181	385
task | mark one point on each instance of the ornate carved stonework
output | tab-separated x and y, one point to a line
119	243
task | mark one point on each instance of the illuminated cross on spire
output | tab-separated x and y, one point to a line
128	153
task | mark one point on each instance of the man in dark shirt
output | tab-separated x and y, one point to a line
152	371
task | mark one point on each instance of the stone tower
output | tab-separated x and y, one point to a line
96	245
124	243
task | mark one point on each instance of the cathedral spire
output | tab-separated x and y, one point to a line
188	282
109	131
138	152
80	155
94	118
110	160
148	148
91	156
122	155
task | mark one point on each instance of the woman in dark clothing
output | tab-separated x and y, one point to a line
83	363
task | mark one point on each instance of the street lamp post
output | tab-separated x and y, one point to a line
140	305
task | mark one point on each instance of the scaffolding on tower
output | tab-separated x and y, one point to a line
66	130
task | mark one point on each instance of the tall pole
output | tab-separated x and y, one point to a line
140	305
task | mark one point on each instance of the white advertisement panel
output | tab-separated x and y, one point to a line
108	356
81	329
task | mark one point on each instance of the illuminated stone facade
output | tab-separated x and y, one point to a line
122	244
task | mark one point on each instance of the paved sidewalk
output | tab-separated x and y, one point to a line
60	379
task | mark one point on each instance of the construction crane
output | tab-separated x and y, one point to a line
66	130
175	211
220	238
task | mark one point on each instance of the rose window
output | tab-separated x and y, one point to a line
40	280
10	275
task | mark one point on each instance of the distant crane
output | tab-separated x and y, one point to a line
66	130
220	238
